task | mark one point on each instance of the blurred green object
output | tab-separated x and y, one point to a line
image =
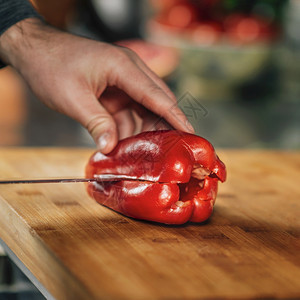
215	72
224	44
264	8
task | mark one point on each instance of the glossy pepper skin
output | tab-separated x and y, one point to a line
181	172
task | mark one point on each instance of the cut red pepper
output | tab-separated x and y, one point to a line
179	175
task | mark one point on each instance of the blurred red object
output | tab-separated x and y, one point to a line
242	29
160	6
206	22
205	33
181	15
160	59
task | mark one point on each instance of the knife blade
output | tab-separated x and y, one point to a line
97	178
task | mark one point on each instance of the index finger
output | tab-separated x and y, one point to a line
140	87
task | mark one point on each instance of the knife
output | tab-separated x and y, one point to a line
97	178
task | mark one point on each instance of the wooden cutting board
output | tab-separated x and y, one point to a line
79	249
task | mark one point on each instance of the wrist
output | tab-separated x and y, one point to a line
16	41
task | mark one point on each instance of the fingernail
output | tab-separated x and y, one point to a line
189	126
103	141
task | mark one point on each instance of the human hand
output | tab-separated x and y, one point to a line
95	83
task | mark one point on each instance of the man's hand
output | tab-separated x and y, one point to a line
95	83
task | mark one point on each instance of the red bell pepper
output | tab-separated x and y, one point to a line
179	173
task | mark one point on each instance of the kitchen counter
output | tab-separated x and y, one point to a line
77	249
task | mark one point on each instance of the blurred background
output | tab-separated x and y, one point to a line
234	66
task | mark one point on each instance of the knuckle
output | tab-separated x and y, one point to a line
130	53
155	89
151	95
102	120
125	55
121	54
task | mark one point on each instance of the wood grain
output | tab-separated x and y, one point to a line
77	249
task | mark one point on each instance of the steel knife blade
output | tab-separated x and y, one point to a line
97	178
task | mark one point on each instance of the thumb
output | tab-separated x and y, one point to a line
102	128
99	123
